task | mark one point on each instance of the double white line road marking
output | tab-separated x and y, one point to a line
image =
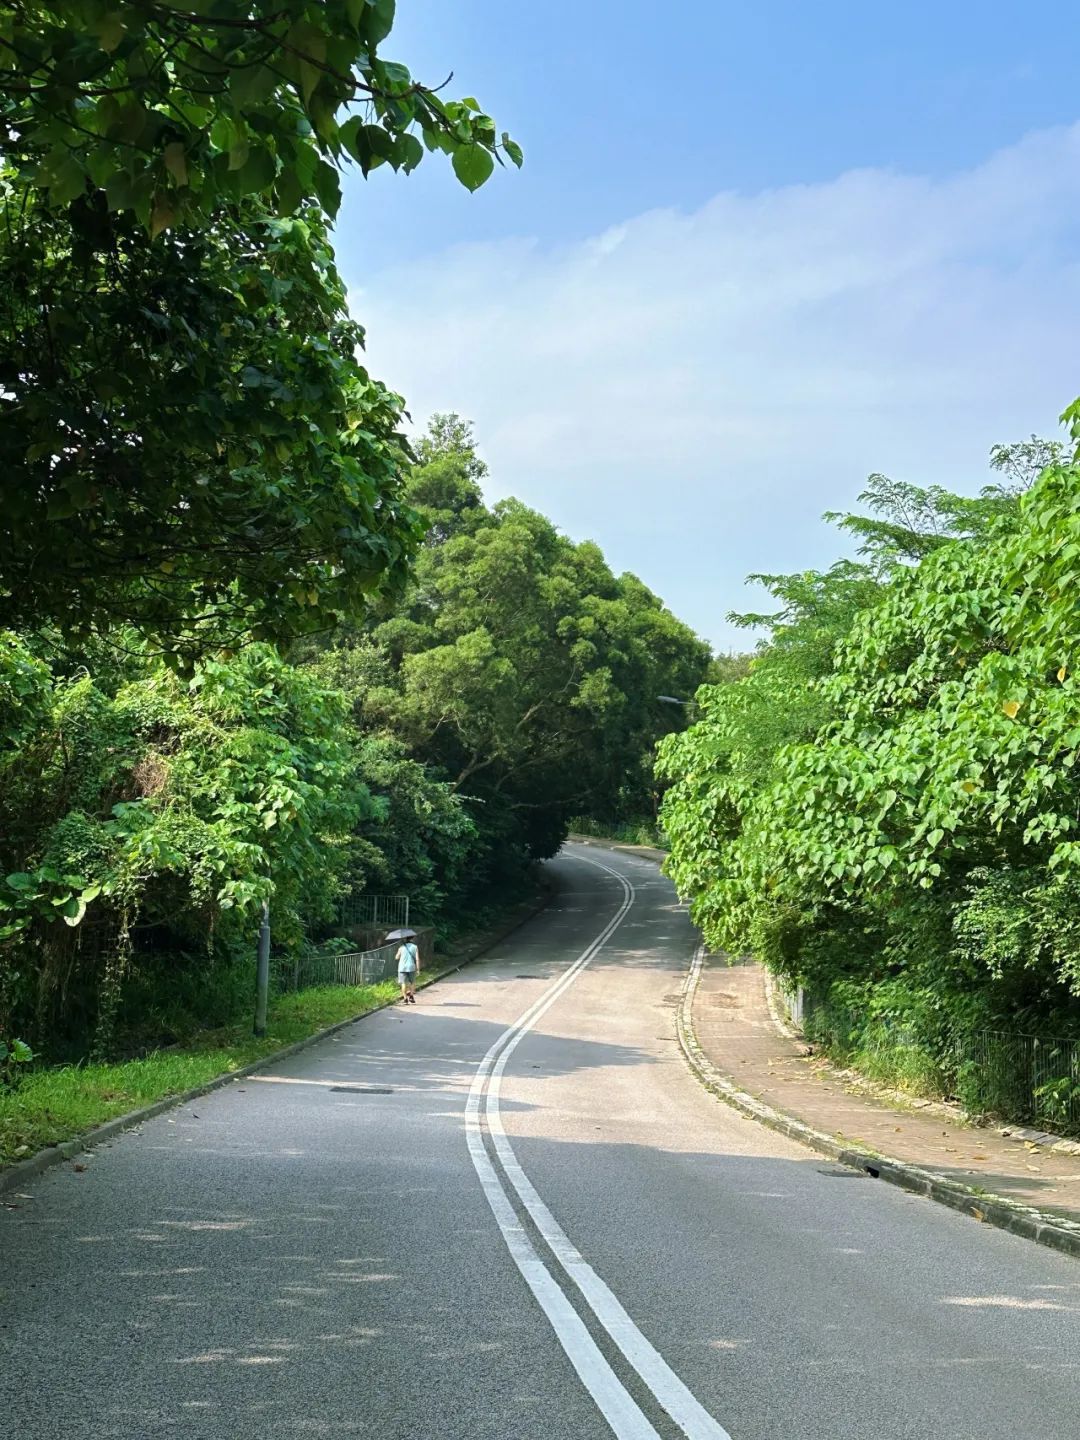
618	1407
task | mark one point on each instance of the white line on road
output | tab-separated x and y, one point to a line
615	1403
618	1408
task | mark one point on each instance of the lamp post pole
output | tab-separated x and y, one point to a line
262	974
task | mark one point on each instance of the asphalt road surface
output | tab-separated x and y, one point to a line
510	1211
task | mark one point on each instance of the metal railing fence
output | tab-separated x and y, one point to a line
1032	1078
389	911
360	967
1024	1078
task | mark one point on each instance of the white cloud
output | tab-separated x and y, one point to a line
692	390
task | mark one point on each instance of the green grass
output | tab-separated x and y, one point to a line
907	1068
631	832
57	1104
60	1102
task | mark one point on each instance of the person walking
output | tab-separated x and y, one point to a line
408	967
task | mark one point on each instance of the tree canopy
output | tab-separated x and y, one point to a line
192	448
890	796
176	108
191	445
520	665
433	746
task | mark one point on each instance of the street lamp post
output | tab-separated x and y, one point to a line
262	974
690	705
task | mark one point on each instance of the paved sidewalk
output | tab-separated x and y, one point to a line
736	1032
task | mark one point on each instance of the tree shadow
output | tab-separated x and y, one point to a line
285	1259
368	1292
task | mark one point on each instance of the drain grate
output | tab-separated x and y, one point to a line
529	977
361	1090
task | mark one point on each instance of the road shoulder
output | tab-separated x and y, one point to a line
732	1043
468	949
730	1036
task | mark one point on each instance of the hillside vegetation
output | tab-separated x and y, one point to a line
434	746
886	809
253	645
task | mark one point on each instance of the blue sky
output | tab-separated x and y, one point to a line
757	251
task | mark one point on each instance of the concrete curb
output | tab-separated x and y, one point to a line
27	1169
1045	1138
1031	1224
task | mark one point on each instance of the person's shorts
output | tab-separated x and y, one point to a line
406	977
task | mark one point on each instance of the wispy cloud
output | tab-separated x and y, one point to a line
692	390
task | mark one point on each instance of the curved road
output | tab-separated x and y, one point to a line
511	1212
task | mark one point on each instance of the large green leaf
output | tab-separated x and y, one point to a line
472	165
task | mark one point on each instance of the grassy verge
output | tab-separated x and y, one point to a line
59	1103
56	1104
633	832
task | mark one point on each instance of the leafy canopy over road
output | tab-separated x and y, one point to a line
433	749
251	649
519	666
191	446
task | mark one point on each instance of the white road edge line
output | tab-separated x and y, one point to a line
616	1405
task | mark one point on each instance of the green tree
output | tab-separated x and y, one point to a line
717	767
419	839
909	850
776	790
519	667
164	810
191	445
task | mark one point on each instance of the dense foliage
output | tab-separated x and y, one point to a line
519	667
190	445
176	109
886	808
222	679
197	469
153	812
433	750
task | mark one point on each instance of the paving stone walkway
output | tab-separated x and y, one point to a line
738	1034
